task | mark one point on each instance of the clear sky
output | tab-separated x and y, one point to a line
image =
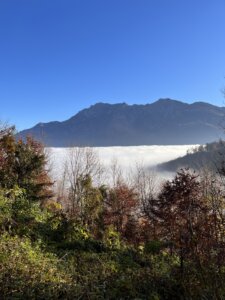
60	56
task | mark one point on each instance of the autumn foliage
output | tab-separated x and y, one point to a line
23	164
90	240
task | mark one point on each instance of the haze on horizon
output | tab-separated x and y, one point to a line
58	57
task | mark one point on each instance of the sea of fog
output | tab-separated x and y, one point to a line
126	157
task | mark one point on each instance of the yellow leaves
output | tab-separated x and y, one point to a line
112	238
52	206
29	262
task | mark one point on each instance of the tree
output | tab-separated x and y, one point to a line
145	184
81	164
88	202
23	164
82	177
120	207
182	214
212	188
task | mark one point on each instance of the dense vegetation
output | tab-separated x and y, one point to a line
91	241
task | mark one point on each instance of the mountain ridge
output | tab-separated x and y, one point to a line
165	121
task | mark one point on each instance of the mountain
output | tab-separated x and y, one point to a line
210	156
164	122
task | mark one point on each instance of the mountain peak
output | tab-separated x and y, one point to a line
164	122
168	101
104	104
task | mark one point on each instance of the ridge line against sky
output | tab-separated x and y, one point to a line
58	57
119	103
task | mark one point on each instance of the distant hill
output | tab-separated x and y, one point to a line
210	156
164	122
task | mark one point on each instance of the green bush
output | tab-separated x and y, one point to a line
26	271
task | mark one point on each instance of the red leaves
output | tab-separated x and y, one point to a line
120	206
23	164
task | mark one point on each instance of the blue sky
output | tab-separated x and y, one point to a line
58	57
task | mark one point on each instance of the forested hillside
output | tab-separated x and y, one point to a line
210	156
82	239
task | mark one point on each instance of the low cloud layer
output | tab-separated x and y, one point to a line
127	157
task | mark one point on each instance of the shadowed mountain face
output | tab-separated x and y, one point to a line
164	122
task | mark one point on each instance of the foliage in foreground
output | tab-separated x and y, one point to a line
173	250
57	258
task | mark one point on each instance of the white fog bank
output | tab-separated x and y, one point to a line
127	157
